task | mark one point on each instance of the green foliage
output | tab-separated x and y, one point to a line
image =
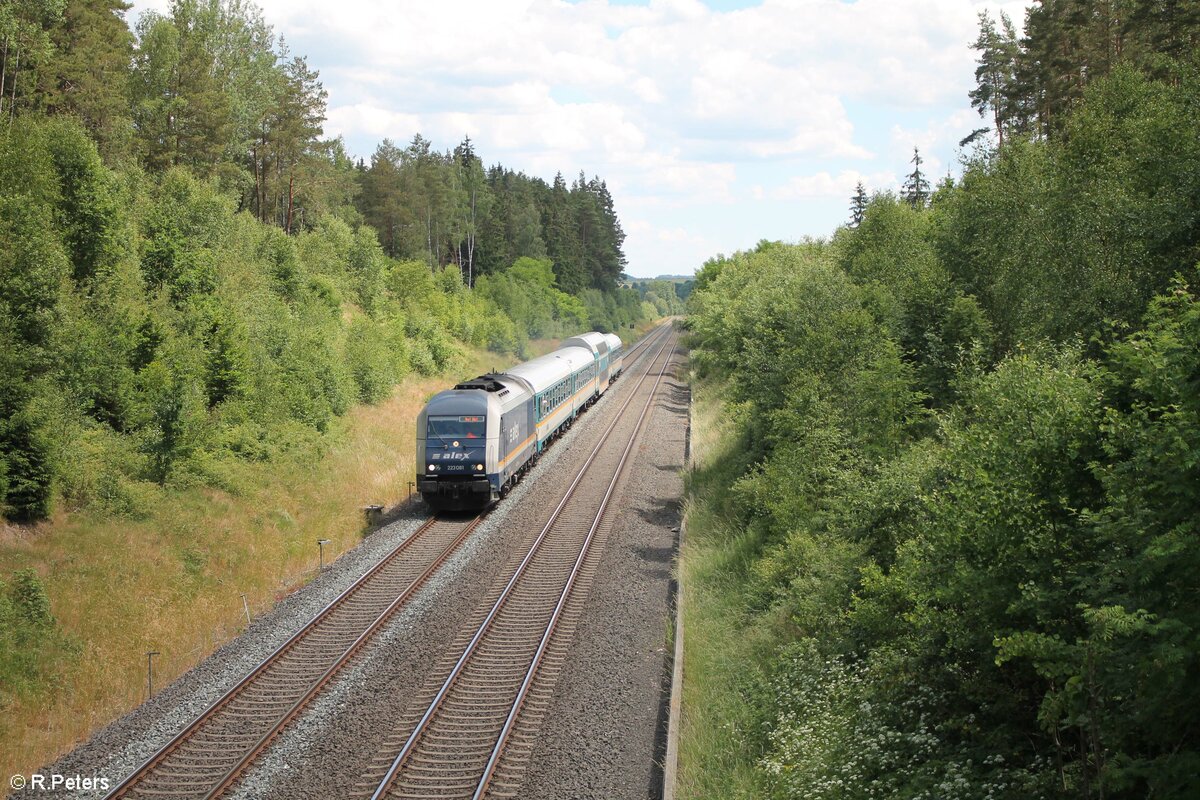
182	228
34	651
152	337
373	364
1035	83
527	294
227	356
662	297
611	311
993	596
1054	238
28	475
445	209
844	730
25	28
367	266
1133	677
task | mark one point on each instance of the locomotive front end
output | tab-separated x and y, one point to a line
456	451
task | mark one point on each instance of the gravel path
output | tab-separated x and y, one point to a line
344	727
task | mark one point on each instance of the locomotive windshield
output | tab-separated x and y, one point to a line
451	428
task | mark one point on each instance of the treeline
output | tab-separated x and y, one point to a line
663	298
964	502
445	208
153	335
194	280
210	86
1028	83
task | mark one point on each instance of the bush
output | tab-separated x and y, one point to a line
370	361
28	468
34	651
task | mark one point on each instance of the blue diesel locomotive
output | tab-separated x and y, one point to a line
475	441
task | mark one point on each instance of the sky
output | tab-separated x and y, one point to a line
715	124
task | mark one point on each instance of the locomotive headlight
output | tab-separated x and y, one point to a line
432	467
479	467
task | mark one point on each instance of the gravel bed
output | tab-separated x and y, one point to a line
344	727
605	734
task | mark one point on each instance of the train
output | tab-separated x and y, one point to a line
476	441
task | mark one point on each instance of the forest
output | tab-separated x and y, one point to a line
944	542
194	278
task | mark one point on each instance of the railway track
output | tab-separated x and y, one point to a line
213	750
470	732
218	746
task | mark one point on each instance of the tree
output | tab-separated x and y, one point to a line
424	186
245	55
327	184
89	74
25	48
294	124
474	201
996	75
381	197
916	187
32	272
562	240
858	205
612	257
1168	28
182	114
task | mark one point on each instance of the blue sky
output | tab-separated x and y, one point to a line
715	123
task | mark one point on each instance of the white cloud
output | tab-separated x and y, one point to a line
654	250
825	185
671	102
938	136
376	121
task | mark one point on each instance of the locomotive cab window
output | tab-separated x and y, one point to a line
454	428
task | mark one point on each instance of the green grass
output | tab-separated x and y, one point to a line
723	646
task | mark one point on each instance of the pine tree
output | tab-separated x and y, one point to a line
295	125
858	205
916	187
1167	27
612	257
996	75
562	238
380	200
474	202
89	73
181	111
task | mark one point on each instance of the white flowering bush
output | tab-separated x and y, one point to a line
842	733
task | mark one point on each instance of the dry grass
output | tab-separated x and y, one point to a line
173	582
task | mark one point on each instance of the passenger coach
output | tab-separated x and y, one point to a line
475	441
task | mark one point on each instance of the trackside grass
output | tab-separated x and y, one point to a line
172	580
722	646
